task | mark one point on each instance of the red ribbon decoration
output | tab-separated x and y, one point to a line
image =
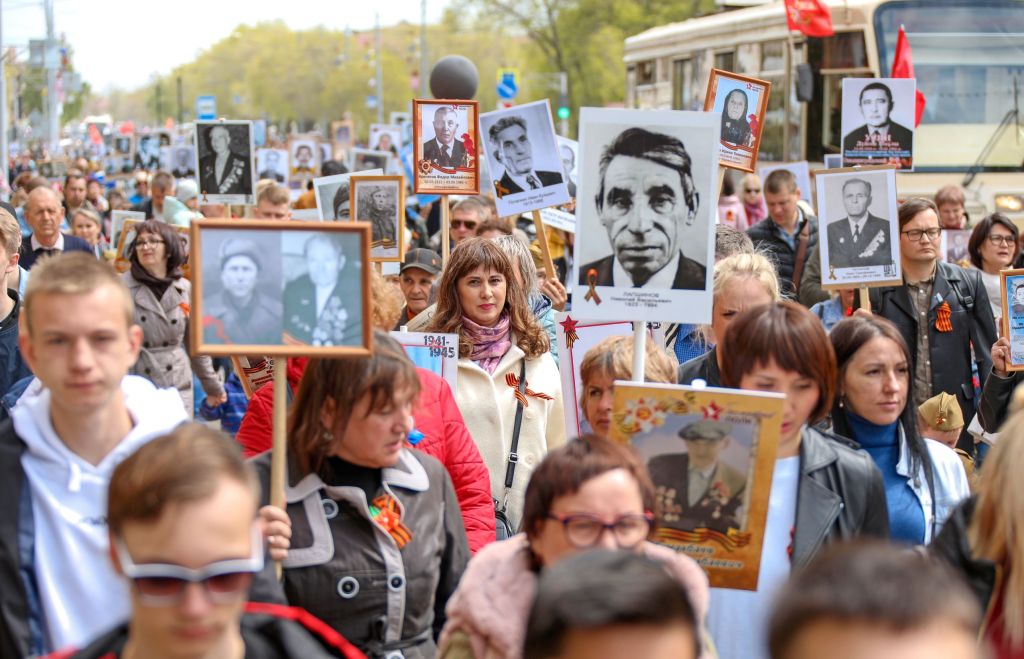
512	380
592	281
944	318
569	328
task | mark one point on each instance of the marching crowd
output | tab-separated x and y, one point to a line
421	522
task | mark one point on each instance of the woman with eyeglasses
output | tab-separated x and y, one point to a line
589	494
160	296
994	246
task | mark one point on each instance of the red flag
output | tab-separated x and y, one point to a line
903	67
811	17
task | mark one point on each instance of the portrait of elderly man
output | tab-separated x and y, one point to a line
322	306
378	208
444	149
859	239
647	202
270	168
510	146
224	172
696	489
183	162
241	313
879	132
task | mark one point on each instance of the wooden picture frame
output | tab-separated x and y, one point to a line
740	154
430	177
1010	283
276	266
343	140
723	530
361	210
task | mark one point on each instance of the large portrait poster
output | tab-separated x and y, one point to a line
731	438
523	159
858	229
445	147
878	121
645	215
740	103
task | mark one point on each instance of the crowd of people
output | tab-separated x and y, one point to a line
419	521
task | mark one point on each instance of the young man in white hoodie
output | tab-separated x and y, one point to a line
58	450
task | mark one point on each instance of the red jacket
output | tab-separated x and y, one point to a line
445	438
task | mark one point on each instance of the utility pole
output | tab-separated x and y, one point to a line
51	62
4	151
159	106
380	75
424	56
181	106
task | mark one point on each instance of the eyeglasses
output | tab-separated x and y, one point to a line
163	584
583	530
148	243
999	239
469	224
749	190
915	235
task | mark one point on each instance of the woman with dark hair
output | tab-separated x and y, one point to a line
735	128
589	494
509	388
160	296
823	488
994	246
924	479
377	542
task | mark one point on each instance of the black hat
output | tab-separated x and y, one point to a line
424	259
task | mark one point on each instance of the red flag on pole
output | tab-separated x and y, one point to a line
811	17
903	67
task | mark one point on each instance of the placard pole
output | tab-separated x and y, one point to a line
721	180
865	299
446	221
279	456
545	249
639	349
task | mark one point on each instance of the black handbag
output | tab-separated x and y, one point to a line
502	525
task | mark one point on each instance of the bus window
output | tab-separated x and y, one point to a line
645	73
725	61
747	59
833	58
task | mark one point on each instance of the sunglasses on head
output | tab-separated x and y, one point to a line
163	584
469	224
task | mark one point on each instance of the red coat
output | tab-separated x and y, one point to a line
445	438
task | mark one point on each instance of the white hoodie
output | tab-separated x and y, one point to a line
80	594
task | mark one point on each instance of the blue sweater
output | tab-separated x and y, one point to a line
906	517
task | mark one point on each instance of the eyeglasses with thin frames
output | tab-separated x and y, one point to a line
583	530
915	235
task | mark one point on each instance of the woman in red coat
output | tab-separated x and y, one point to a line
445	437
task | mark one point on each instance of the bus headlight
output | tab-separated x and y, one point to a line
1009	203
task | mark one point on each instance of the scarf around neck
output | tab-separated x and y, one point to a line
489	343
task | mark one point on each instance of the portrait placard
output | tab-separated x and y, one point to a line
182	161
878	121
404	122
272	164
333	195
363	160
740	103
123	145
342	133
953	247
437	353
117	220
649	167
126	244
445	147
380	200
147	151
303	159
1011	290
253	372
564	217
523	159
800	170
385	137
858	229
731	434
257	288
224	162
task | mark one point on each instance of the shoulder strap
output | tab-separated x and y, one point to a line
513	457
801	254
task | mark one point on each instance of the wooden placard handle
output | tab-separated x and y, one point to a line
545	250
445	229
865	299
279	450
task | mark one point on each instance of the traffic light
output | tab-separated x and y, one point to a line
563	106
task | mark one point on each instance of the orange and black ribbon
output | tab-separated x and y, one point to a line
512	380
500	189
386	513
569	328
592	282
944	318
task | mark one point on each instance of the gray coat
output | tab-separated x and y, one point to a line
346	570
163	358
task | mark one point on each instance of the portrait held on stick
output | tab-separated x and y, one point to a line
445	147
1012	292
303	159
878	122
380	201
224	152
333	195
272	164
741	103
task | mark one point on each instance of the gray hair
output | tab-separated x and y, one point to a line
517	250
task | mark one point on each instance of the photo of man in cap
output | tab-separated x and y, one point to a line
240	313
419	270
696	489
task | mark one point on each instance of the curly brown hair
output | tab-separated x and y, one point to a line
469	255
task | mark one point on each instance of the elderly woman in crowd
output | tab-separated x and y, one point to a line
610	360
994	246
377	542
740	281
823	488
587	494
924	480
509	388
161	301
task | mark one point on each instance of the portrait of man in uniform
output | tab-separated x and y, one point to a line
859	239
240	312
322	306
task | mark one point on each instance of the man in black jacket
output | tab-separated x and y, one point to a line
787	232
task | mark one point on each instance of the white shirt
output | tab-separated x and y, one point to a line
521	181
59	245
662	279
737	619
857	226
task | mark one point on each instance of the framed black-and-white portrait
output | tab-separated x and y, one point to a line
280	288
523	158
147	151
126	244
385	137
878	121
445	147
563	217
380	201
224	154
304	159
123	145
118	219
953	246
800	170
858	229
342	134
361	160
333	195
645	215
272	164
740	103
182	159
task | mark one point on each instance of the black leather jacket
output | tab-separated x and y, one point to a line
954	547
840	495
704	368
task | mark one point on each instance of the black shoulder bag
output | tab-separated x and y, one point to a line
502	525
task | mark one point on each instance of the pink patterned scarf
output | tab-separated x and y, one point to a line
489	343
